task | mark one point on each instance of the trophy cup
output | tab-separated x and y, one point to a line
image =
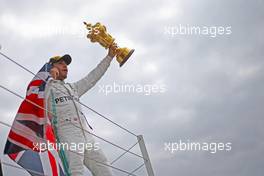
98	33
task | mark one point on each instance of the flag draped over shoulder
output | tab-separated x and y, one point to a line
32	128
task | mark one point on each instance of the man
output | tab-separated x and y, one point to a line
71	126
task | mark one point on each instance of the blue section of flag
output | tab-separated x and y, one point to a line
31	162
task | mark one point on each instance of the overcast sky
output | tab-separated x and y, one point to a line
210	85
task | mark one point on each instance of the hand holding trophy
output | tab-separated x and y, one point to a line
98	33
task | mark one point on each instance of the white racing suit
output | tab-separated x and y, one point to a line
72	125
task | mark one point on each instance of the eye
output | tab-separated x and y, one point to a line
62	62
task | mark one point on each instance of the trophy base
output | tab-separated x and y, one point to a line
126	58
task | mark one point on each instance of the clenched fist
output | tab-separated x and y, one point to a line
112	50
54	72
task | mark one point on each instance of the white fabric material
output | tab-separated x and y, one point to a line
69	115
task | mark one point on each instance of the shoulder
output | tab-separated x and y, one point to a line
71	86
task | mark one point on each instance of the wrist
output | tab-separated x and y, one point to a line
110	56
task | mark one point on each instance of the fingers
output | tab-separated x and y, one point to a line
54	73
114	45
113	48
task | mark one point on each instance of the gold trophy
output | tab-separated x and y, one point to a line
98	33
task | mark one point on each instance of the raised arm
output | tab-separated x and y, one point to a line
91	79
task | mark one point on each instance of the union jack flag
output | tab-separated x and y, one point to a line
32	127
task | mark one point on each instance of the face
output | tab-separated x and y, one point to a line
63	70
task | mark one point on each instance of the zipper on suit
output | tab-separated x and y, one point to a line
77	112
